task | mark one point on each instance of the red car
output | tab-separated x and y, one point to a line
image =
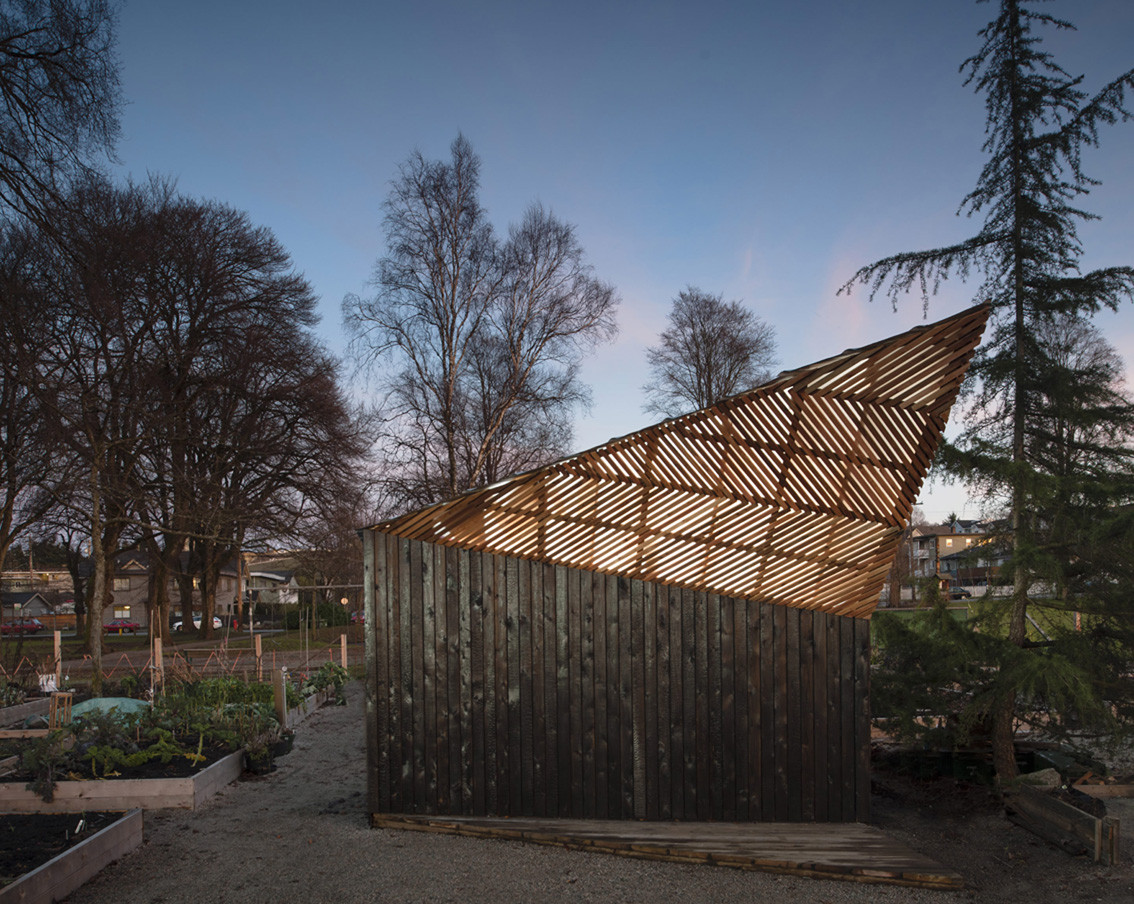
21	626
122	626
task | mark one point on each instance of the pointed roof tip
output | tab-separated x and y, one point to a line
731	498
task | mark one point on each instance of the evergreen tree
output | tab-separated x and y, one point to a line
1046	433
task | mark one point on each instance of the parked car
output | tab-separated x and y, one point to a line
122	626
217	623
959	594
21	626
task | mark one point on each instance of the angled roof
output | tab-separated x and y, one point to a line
794	493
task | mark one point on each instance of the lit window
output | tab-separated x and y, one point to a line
121	611
121	583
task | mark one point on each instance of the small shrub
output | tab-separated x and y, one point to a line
329	675
48	759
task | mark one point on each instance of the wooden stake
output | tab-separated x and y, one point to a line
279	692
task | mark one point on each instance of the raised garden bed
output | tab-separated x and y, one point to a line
14	716
64	873
125	794
310	703
1064	824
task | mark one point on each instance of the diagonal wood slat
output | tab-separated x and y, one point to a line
794	493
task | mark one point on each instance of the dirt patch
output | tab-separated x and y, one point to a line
29	840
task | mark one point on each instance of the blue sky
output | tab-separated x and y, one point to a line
763	150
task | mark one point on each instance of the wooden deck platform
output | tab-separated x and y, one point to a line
847	851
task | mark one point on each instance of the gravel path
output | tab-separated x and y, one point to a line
301	834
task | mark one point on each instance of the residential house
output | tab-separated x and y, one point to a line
131	589
270	590
24	604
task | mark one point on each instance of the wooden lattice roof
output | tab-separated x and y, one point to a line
793	493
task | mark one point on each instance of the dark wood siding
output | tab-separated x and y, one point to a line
499	686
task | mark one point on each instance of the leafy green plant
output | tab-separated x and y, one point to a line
329	675
108	758
11	693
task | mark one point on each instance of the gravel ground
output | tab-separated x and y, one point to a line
300	834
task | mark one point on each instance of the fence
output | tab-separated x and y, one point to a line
186	664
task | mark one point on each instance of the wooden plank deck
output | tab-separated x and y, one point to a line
847	851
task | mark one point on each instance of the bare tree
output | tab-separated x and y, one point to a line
174	362
87	341
27	467
712	349
478	339
60	97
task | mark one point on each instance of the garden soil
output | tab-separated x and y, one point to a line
300	834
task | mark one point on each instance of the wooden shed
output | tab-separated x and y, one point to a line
673	625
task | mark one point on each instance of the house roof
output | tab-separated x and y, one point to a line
793	493
138	561
30	602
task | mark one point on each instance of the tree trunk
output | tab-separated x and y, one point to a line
97	586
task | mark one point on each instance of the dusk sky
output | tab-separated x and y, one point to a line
763	150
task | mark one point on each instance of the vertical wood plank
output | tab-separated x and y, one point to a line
515	681
538	704
794	707
664	723
862	719
580	749
429	676
439	781
689	736
711	773
618	596
550	690
834	722
503	678
610	762
740	706
819	710
525	632
704	753
756	769
806	715
677	700
780	708
593	673
532	650
456	616
727	721
565	648
768	741
477	766
846	703
417	690
646	744
488	582
401	795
